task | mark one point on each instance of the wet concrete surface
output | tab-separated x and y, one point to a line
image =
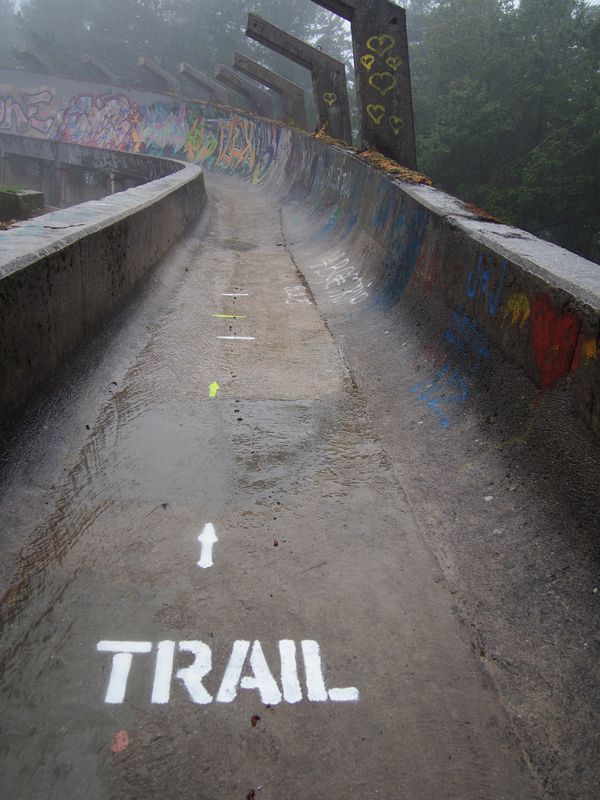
318	541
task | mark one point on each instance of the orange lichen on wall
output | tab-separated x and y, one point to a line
392	168
376	160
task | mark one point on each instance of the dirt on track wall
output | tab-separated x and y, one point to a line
492	293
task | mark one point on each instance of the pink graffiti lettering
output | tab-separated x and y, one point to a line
98	121
21	117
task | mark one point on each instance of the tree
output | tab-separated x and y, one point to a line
506	106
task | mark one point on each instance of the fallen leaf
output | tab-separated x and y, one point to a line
120	742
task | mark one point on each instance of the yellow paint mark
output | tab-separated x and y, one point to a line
367	61
330	98
590	350
376	112
520	439
396	124
213	389
381	44
383	82
229	316
394	62
518	308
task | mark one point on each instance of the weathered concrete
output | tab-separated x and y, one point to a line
382	68
71	174
215	91
106	73
259	101
420	380
316	544
495	260
172	84
19	204
122	165
63	273
330	89
292	95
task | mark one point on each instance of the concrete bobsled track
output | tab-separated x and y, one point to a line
315	513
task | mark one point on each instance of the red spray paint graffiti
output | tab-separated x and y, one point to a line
555	337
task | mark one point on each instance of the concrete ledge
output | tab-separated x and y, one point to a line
492	297
131	165
522	303
63	273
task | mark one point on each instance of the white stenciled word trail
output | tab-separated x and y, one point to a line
247	668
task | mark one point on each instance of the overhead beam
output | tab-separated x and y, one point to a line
173	84
216	92
260	102
383	83
28	51
107	73
328	75
292	95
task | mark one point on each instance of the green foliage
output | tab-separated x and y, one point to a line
508	111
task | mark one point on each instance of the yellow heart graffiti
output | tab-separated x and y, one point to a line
330	98
376	112
383	82
381	44
367	61
394	62
396	124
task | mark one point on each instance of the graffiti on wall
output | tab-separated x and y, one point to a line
555	336
469	348
195	132
163	129
382	66
485	283
342	280
98	121
27	113
518	309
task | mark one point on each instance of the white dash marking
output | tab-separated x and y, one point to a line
347	695
238	338
207	540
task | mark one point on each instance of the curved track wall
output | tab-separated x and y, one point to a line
63	273
490	291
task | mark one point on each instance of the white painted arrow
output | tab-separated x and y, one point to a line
207	539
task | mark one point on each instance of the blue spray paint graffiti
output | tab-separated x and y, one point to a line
485	284
449	387
406	238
